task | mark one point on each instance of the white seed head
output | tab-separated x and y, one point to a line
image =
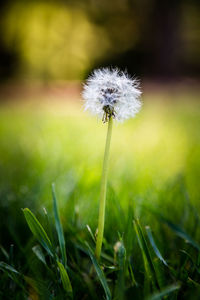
110	92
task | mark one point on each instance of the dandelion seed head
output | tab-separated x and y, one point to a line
112	92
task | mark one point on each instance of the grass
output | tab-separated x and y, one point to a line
152	231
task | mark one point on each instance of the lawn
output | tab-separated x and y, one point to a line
153	176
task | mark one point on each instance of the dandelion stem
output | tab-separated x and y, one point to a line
102	203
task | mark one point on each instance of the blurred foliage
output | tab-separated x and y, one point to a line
52	41
151	157
66	39
154	175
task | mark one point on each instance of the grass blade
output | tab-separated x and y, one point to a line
59	228
121	256
49	228
38	252
100	274
65	279
13	274
168	290
148	262
153	244
5	253
181	233
91	233
5	266
37	230
178	230
196	284
134	282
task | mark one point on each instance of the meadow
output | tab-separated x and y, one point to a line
154	177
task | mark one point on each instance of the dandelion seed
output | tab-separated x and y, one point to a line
110	92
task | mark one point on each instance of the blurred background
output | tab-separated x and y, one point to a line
47	49
64	40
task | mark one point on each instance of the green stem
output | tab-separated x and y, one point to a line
102	203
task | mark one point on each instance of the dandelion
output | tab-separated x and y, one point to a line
110	94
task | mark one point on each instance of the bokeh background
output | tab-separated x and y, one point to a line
47	40
47	49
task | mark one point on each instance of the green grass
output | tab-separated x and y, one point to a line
153	176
